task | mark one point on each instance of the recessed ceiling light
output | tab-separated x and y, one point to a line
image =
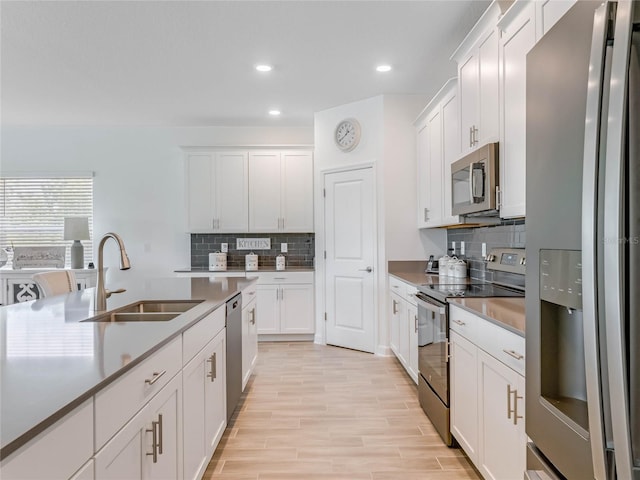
383	68
275	113
264	68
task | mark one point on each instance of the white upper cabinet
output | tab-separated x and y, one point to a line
478	93
249	191
437	148
518	36
217	192
280	191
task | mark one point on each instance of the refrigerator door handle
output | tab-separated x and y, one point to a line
614	243
595	131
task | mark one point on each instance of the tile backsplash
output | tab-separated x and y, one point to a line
510	233
300	246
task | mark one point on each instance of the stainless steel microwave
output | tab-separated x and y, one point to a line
474	182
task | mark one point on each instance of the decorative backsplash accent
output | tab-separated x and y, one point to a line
300	246
510	233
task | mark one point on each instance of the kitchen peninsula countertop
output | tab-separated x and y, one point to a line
52	361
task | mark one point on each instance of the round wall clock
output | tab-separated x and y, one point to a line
347	134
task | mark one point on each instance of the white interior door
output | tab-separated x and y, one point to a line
350	246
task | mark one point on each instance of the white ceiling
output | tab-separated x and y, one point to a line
191	63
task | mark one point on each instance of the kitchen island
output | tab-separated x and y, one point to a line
53	361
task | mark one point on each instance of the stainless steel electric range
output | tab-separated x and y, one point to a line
508	268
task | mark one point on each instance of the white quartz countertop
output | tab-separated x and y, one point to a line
51	361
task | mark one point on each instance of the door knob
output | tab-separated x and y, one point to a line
368	269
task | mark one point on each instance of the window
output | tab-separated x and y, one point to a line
32	209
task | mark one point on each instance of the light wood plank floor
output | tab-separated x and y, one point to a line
315	412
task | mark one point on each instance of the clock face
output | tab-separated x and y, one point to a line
347	135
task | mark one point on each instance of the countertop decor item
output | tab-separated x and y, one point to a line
218	262
280	262
76	229
251	262
30	257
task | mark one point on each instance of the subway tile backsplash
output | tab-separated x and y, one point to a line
300	246
510	233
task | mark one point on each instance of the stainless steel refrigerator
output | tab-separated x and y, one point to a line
583	245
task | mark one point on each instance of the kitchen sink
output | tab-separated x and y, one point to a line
147	311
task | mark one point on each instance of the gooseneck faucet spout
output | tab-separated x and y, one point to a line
102	293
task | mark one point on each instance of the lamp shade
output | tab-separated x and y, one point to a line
76	228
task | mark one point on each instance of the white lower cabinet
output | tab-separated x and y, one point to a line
249	333
204	405
487	396
149	445
502	453
286	303
403	324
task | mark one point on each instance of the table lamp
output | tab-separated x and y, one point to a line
76	229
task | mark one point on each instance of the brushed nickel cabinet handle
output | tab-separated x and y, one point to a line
253	316
516	397
514	354
458	322
160	433
156	377
471	136
509	402
154	441
394	307
214	367
415	319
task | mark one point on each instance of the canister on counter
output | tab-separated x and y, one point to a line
251	262
218	262
280	262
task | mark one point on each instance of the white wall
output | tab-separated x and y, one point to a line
387	142
139	180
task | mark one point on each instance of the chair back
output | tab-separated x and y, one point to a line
56	282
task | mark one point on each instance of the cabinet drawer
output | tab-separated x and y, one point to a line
57	452
397	286
266	278
194	339
249	294
463	322
502	344
118	402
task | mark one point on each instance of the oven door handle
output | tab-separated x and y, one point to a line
430	306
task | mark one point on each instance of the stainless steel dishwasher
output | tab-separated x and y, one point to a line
234	353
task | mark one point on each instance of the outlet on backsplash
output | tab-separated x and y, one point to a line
475	243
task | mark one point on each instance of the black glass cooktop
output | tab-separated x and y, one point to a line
448	290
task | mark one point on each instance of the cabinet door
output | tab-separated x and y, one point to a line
199	174
434	126
215	392
412	316
450	152
468	98
517	39
464	394
488	89
501	406
193	388
132	452
549	12
269	301
422	151
394	323
297	192
231	192
403	336
264	192
296	309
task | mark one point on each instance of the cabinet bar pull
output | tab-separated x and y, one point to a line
253	316
446	351
426	214
415	319
509	402
471	136
214	367
458	322
516	397
160	433
514	354
154	441
394	307
156	377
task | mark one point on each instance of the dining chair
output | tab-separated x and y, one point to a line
56	282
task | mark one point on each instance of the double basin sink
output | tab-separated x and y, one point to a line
147	311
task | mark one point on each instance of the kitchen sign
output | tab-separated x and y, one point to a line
253	243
